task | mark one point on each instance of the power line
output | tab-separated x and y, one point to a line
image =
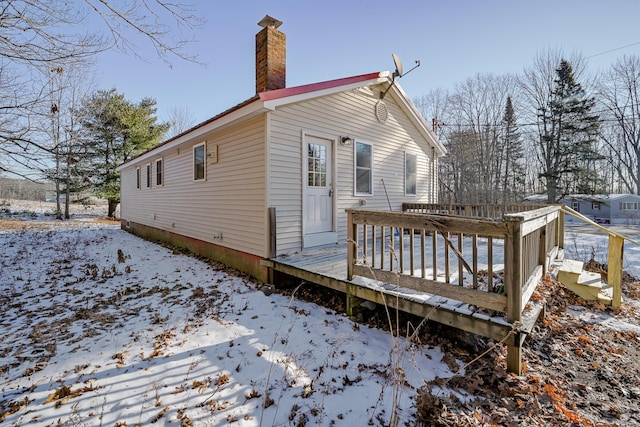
612	50
497	125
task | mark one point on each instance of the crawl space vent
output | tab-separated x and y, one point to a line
381	112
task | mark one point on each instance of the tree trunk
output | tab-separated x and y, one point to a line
113	204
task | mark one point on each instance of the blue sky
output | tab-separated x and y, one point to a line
453	39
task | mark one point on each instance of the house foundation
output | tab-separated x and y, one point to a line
245	262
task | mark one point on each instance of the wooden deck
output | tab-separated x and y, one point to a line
475	268
327	266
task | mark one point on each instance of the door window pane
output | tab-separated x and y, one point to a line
317	165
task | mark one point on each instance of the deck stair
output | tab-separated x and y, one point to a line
586	284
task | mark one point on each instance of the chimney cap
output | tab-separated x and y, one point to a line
268	21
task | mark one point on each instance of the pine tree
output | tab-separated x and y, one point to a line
513	154
568	133
117	130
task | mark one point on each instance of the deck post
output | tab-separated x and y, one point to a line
543	251
513	286
352	241
614	275
560	229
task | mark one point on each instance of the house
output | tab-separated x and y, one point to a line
606	208
275	174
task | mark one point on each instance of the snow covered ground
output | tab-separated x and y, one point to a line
100	327
103	328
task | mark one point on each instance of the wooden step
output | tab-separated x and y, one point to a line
586	284
606	295
569	271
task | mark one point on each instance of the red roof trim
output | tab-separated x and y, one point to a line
269	96
299	90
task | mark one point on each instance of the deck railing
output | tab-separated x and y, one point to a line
497	263
495	211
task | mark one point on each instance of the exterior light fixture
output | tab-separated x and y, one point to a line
346	140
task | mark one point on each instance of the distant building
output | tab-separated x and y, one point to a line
603	208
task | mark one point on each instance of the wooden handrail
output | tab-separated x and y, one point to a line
615	255
530	238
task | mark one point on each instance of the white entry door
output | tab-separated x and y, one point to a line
318	192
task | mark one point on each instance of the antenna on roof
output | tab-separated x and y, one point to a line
398	63
399	72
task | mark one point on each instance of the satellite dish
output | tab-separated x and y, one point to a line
398	63
397	73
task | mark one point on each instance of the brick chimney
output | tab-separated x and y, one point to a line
271	56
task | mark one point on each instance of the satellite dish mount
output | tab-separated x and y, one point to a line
399	72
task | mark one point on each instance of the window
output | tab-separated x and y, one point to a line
595	206
629	206
317	165
575	206
159	172
363	168
149	175
410	175
198	162
138	178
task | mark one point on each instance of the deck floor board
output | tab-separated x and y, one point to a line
328	265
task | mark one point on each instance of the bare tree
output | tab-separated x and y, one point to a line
42	34
620	94
181	119
433	106
68	87
44	30
473	130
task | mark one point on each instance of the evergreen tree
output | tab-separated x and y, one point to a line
513	174
568	130
117	130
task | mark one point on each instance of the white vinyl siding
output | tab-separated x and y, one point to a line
347	113
228	208
242	180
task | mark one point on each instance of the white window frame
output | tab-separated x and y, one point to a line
356	167
204	161
629	206
595	206
149	175
415	173
159	172
138	178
